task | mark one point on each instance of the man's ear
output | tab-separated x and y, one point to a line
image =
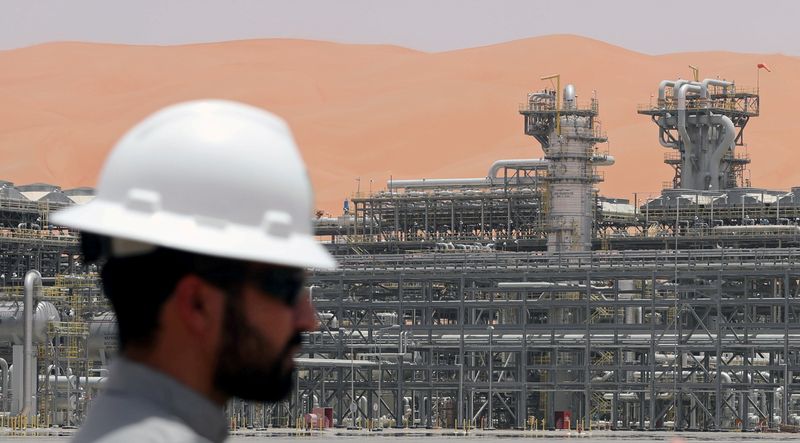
198	305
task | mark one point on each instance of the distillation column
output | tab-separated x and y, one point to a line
568	135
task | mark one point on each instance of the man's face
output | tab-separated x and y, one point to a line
260	335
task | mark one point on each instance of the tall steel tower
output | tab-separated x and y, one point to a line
568	134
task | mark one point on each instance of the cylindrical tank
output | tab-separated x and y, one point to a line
569	97
12	321
102	333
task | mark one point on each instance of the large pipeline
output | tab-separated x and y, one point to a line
539	164
702	88
712	81
729	129
535	163
33	280
438	182
4	367
662	90
681	95
729	133
676	85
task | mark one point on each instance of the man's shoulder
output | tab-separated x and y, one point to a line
114	420
153	429
139	403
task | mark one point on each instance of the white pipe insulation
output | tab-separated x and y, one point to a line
712	81
662	90
681	96
680	90
4	368
729	134
438	182
33	280
678	84
534	163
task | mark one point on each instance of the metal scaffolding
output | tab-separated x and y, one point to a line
703	122
645	340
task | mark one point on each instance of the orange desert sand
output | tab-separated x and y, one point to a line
372	111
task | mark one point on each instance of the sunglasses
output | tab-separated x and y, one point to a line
281	283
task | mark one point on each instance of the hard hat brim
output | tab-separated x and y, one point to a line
202	236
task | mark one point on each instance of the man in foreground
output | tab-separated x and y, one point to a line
202	224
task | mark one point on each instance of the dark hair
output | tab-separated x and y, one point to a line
138	286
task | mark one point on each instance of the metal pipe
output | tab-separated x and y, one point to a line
712	81
681	95
729	135
490	328
603	160
605	377
679	84
438	182
662	90
536	163
33	279
662	141
4	368
537	97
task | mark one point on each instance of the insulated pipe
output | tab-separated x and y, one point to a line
536	97
677	87
33	279
684	89
542	95
438	182
536	163
662	96
622	396
722	147
605	377
603	160
663	142
662	90
712	81
4	368
545	284
680	83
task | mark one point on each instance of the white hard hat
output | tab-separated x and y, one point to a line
212	177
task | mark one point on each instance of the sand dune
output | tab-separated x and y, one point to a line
370	111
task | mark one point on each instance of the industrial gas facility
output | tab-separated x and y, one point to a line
519	298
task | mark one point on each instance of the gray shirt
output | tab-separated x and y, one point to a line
140	404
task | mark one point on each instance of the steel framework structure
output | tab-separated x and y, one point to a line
509	208
648	339
737	105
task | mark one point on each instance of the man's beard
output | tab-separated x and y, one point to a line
247	366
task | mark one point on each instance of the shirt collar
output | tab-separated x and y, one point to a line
198	412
